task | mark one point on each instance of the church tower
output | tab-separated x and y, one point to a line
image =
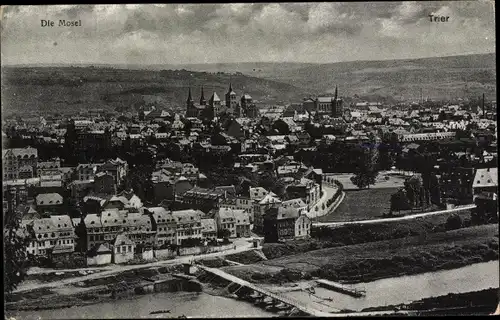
202	98
190	105
214	103
336	105
231	103
189	101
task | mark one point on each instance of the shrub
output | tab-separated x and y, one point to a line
466	223
453	222
259	276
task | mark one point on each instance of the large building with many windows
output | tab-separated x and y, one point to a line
19	163
49	234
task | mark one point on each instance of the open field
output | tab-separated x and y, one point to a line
382	259
327	236
394	180
361	205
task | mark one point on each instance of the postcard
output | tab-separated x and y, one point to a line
228	160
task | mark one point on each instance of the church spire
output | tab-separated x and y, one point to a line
202	98
334	103
190	98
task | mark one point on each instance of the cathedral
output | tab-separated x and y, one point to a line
331	106
215	107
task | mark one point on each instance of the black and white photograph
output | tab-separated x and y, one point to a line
249	160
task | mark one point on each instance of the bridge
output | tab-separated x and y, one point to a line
274	296
289	301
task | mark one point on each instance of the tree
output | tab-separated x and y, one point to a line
366	172
414	190
81	233
15	242
399	201
363	179
224	233
267	180
453	222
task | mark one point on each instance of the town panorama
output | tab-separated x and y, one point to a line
249	160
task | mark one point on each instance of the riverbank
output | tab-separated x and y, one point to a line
125	285
156	305
482	302
382	259
329	236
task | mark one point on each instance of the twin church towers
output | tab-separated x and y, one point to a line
215	106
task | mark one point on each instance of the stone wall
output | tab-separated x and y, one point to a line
99	259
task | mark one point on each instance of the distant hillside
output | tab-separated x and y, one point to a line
74	88
445	77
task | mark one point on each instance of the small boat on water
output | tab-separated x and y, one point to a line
338	287
159	311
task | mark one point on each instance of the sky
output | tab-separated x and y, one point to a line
245	32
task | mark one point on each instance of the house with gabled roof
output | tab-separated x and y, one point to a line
165	224
281	224
49	203
485	184
47	233
260	207
123	249
188	225
209	229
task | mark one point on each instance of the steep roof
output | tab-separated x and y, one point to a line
161	215
209	225
295	203
487	177
187	215
288	213
27	152
62	222
123	240
43	225
214	97
113	218
47	199
231	190
269	199
229	213
92	221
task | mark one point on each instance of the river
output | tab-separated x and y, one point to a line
405	289
179	303
378	293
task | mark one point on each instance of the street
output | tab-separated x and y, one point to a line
242	246
410	217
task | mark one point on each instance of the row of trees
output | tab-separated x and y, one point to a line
419	191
